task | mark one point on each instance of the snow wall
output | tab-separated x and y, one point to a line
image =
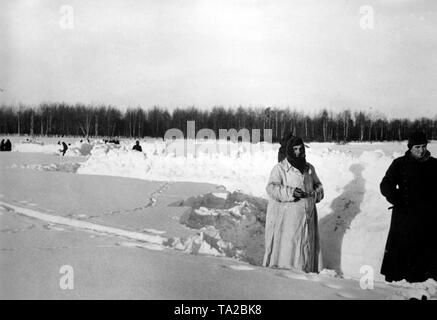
353	217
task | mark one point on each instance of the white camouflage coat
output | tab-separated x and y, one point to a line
291	233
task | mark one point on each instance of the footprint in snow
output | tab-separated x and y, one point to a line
221	188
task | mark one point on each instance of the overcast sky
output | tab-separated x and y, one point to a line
303	54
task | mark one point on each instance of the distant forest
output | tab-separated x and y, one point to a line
60	119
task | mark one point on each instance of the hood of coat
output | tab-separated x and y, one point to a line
296	159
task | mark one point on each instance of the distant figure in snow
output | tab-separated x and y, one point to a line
291	232
2	145
410	185
65	148
8	145
137	146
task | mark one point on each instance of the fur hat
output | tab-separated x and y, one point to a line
415	138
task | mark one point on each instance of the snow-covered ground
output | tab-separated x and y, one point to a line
353	218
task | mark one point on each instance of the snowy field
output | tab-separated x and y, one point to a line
228	220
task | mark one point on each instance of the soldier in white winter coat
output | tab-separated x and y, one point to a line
291	233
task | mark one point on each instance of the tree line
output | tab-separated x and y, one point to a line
61	119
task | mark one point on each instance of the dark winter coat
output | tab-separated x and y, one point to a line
65	148
411	186
137	147
7	146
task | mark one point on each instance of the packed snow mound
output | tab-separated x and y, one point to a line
229	224
236	170
426	290
353	217
35	147
78	148
116	160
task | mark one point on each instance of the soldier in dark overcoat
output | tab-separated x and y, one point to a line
410	185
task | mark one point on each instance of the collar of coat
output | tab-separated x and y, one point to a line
288	166
409	157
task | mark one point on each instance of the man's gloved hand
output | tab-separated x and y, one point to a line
299	194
